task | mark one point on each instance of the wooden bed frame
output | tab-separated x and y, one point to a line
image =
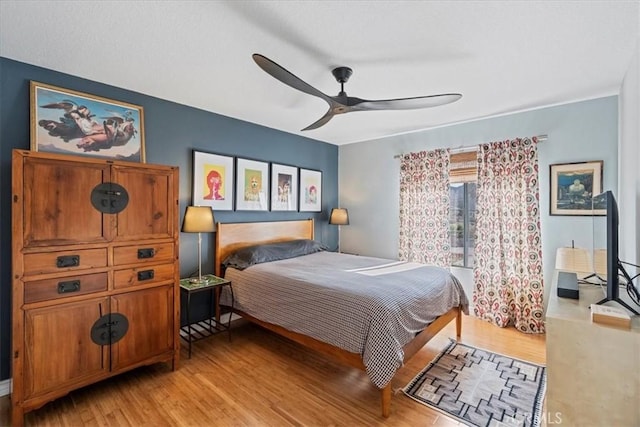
233	236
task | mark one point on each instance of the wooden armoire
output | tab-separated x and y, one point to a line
95	272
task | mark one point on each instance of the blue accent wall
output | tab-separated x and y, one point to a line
172	132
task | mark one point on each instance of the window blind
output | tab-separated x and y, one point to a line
463	167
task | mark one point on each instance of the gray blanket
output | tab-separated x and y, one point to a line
368	306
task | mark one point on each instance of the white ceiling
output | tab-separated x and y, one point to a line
503	56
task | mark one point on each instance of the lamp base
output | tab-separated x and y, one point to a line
199	280
568	285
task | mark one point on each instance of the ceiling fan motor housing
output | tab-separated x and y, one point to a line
342	74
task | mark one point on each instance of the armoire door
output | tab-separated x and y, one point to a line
150	211
58	346
57	201
150	316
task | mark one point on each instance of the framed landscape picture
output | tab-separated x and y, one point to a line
310	190
213	181
284	187
252	185
573	185
72	122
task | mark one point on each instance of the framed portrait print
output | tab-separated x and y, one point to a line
310	190
252	185
72	122
284	187
213	181
573	185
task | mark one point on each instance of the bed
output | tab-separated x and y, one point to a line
370	325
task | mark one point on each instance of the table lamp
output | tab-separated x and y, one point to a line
575	260
571	261
339	216
600	264
198	219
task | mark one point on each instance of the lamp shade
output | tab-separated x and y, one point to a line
600	262
198	219
574	260
339	216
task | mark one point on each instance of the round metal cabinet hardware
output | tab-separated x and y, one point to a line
109	197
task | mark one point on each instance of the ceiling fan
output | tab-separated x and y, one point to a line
342	103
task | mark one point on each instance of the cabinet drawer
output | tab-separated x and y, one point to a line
123	255
62	287
51	262
143	275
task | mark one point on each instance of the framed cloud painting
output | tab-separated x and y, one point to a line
72	122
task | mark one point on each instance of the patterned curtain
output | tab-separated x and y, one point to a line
424	208
508	251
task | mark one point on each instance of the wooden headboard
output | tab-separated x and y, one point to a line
233	236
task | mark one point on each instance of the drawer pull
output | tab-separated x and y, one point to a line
68	261
70	286
145	275
146	253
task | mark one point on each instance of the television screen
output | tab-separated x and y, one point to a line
599	249
615	271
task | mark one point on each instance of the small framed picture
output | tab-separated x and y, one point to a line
252	185
72	122
573	185
310	190
284	187
213	181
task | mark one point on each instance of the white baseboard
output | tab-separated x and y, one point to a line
5	388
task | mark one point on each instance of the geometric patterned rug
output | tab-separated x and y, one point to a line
481	388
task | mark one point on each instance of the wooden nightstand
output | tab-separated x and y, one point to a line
193	332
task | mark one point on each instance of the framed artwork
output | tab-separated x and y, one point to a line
252	185
310	190
213	181
72	122
284	187
573	185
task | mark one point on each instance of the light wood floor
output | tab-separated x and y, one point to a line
260	379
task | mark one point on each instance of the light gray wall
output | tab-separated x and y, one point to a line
629	161
369	174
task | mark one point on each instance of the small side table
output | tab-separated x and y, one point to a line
193	332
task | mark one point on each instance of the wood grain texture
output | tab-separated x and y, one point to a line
262	379
231	237
72	265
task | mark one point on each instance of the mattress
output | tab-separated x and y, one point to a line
364	305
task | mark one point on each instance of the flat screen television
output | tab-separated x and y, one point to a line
615	271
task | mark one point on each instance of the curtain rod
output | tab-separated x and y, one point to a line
462	149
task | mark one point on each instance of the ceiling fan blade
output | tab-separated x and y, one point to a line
407	103
321	121
287	77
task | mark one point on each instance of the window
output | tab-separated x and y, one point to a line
462	223
462	211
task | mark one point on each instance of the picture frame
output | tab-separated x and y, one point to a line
252	185
573	185
73	122
213	178
310	190
284	187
